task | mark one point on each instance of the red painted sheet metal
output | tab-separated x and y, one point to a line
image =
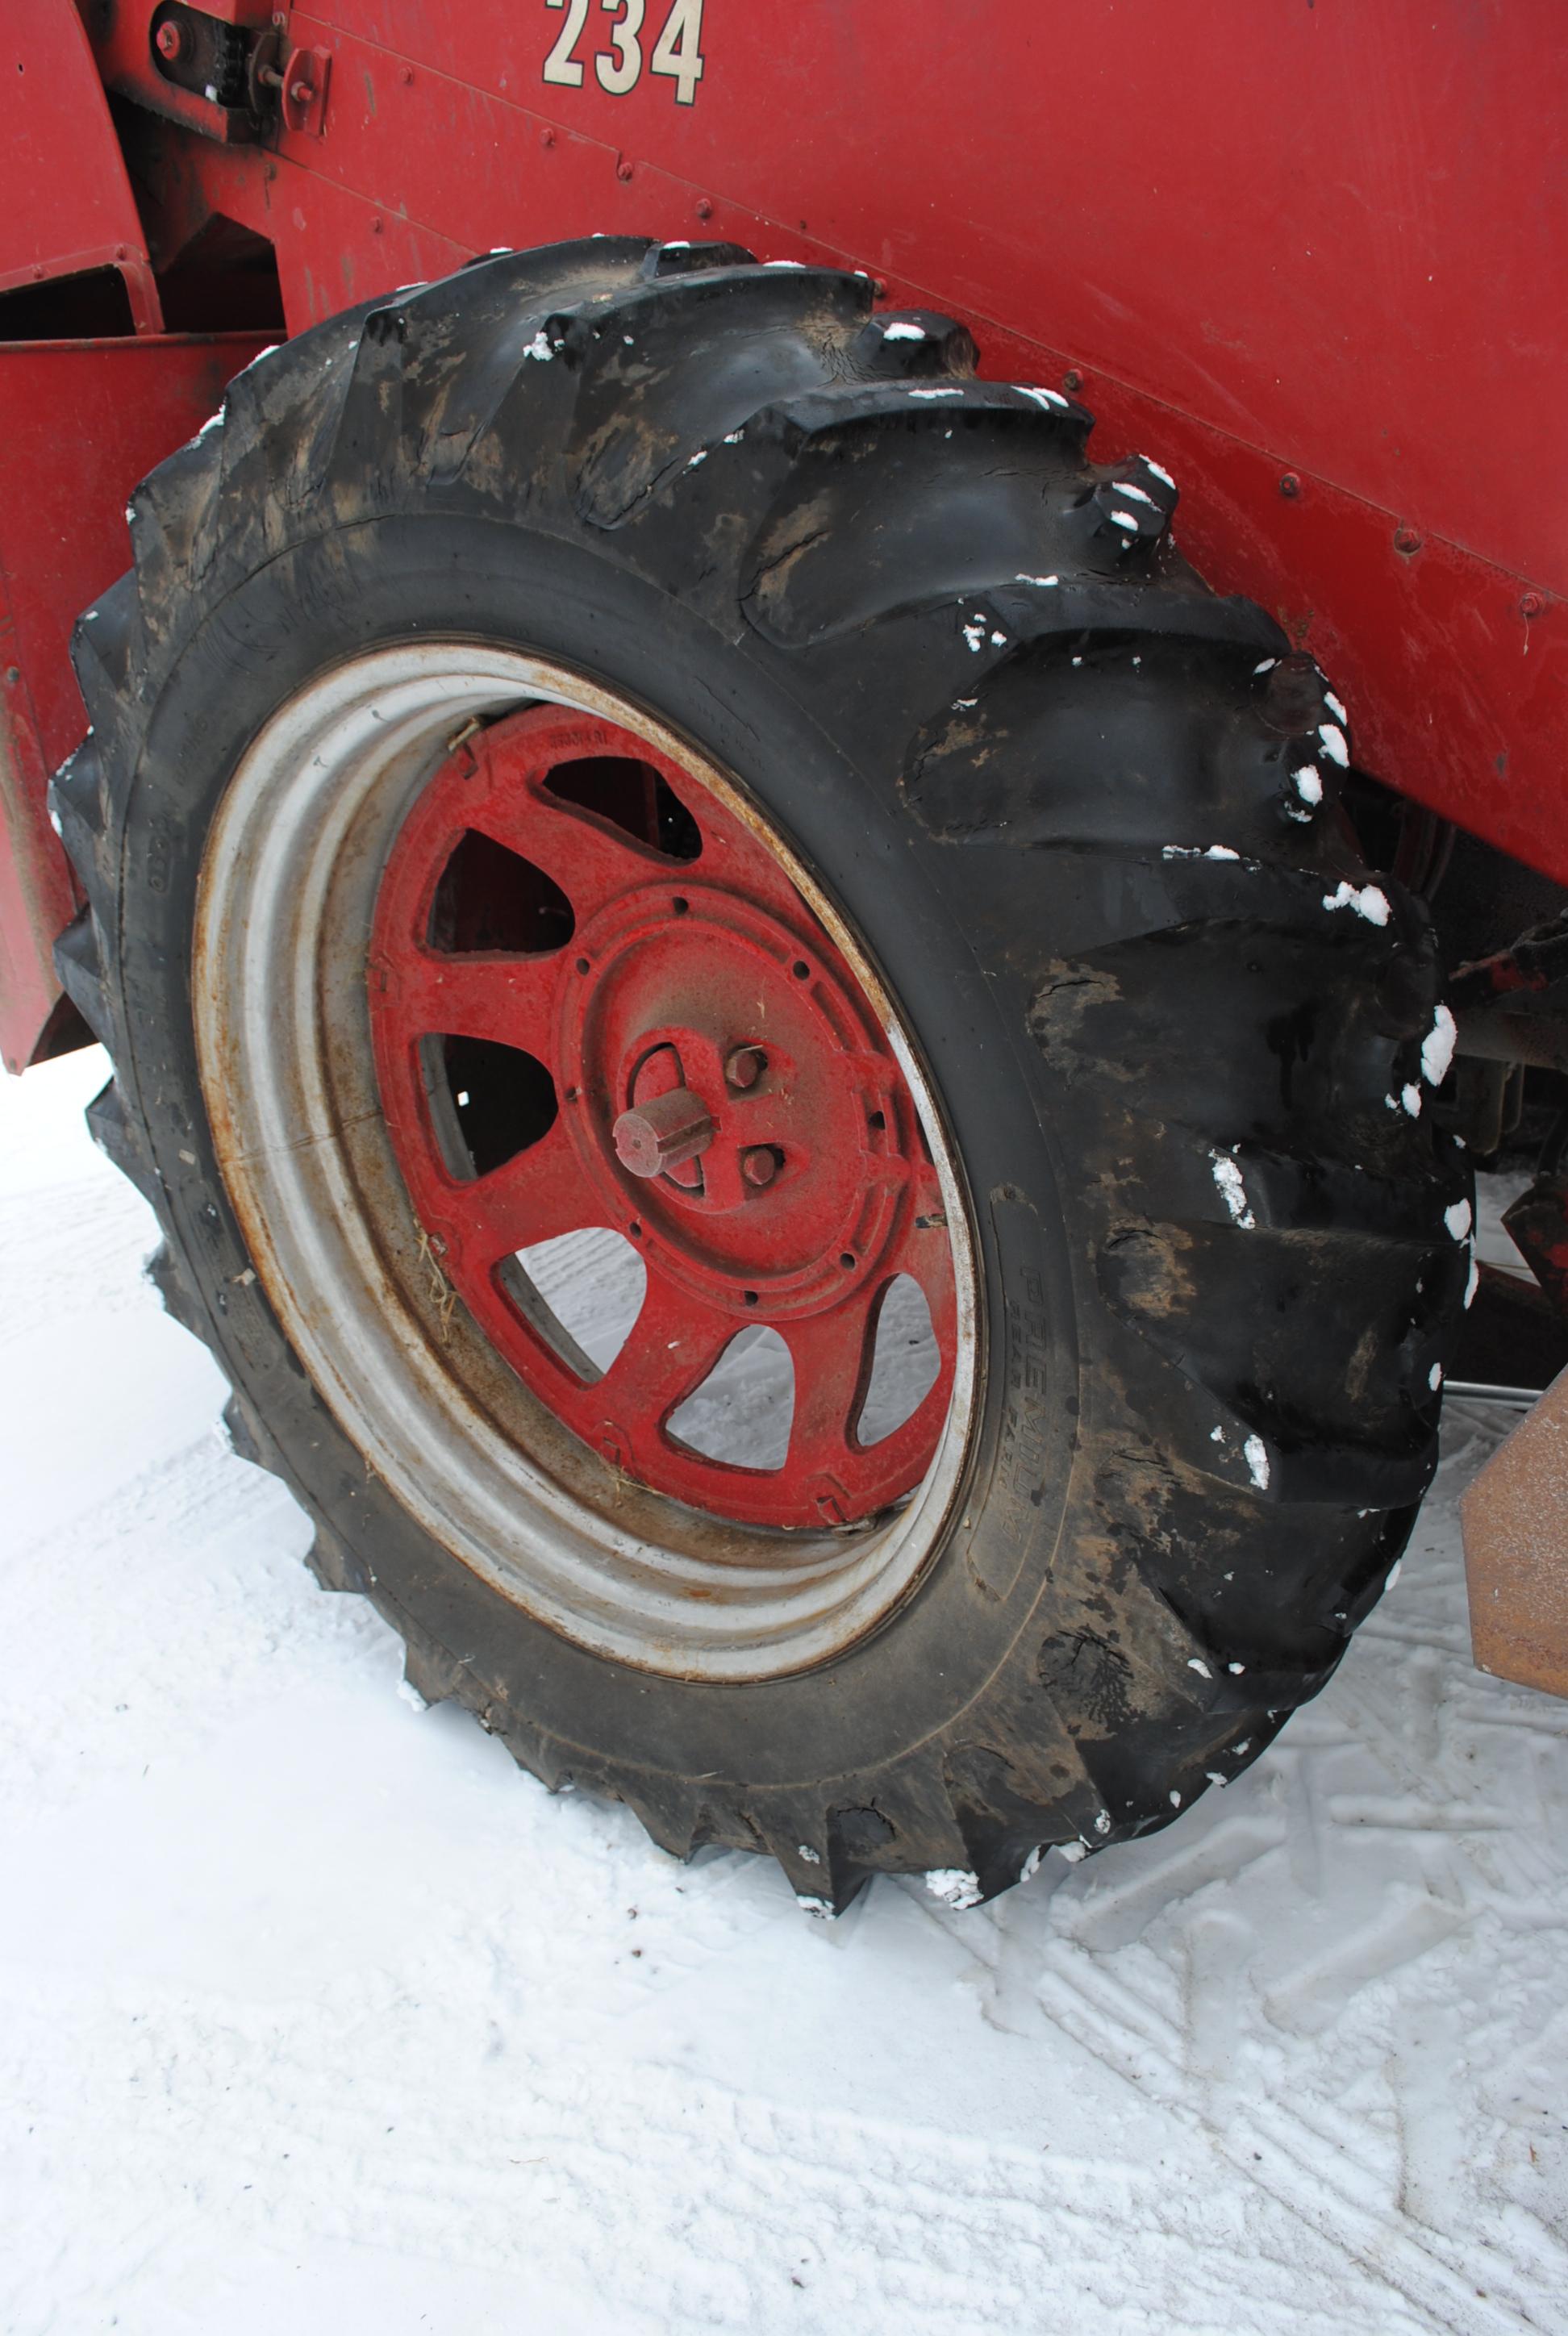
67	201
1331	230
1322	240
79	423
1310	247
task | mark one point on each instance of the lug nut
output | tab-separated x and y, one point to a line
662	1133
759	1165
745	1067
170	41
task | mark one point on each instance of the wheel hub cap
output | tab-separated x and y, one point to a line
615	1008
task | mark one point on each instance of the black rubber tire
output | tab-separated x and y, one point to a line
1060	813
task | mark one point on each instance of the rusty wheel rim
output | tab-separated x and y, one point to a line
729	1085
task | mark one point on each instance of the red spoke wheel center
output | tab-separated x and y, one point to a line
674	1049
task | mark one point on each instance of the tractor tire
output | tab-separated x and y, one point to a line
845	667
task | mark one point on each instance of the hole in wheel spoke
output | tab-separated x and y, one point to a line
742	1410
488	1101
631	796
490	899
582	1292
905	1361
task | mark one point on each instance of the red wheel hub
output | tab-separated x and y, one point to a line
674	1049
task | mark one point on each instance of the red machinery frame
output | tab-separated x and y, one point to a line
1310	257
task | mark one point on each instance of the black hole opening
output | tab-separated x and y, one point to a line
879	1119
631	796
803	971
491	899
489	1102
749	1296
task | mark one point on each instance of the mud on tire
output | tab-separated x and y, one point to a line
1083	815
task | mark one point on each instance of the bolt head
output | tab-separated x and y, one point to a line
703	207
759	1167
623	170
1290	486
1532	605
170	41
1406	539
1072	379
746	1066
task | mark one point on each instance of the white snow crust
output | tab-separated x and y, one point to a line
320	2016
954	1885
1233	1189
1368	901
1438	1047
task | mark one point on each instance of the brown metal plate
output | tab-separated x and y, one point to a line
1516	1520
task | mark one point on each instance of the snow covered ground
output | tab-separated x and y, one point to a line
316	2015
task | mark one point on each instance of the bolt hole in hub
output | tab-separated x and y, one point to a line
682	1214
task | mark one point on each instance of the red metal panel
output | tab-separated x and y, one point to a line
119	406
1311	249
1321	243
67	201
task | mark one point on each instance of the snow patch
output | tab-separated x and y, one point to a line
1194	1664
1198	852
1159	471
1459	1219
954	1885
1434	1378
1333	740
1307	782
1334	706
1233	1190
809	1856
934	393
1369	902
1072	1850
1124	519
1135	494
1041	580
539	348
1437	1047
1049	399
1257	1459
901	332
1410	1096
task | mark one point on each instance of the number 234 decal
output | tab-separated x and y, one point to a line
678	53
